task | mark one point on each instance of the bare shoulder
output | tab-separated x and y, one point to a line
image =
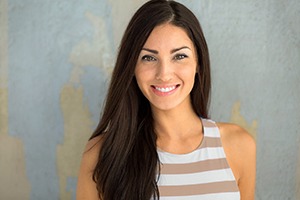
86	187
238	144
240	150
91	152
233	134
93	144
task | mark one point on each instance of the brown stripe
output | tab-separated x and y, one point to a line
201	166
207	123
210	142
207	188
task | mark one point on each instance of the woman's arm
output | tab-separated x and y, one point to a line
86	187
240	150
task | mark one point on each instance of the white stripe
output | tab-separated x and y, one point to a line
195	156
218	196
196	178
211	132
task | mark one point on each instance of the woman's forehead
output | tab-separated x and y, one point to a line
168	35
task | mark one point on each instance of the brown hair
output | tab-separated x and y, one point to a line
127	166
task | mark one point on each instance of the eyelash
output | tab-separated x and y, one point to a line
180	56
149	58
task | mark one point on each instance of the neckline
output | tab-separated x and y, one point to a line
159	150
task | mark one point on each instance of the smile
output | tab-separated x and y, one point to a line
165	89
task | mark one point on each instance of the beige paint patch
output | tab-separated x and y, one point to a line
3	67
122	11
237	118
3	112
95	52
3	44
14	183
298	176
77	118
77	129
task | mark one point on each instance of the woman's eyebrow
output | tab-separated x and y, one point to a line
150	50
178	49
172	51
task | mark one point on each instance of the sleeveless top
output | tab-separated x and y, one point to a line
203	174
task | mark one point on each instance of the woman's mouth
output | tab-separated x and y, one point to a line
164	90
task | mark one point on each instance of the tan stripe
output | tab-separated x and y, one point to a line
208	124
201	166
210	142
207	188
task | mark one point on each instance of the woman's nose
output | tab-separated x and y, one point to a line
164	71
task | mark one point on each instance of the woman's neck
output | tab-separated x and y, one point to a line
180	122
178	131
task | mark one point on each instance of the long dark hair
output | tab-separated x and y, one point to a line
127	167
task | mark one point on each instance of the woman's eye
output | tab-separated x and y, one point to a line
148	58
180	56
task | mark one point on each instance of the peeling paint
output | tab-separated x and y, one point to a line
237	118
78	122
3	112
3	45
77	129
298	176
120	23
95	52
14	183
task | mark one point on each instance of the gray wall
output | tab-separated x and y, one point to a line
56	58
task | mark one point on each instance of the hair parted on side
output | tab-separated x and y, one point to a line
128	163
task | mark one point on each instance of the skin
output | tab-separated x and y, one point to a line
165	74
168	60
86	187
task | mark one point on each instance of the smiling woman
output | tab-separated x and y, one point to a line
166	68
154	140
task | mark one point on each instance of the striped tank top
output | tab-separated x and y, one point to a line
203	174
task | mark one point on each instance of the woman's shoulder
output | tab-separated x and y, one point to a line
235	135
86	187
240	150
91	151
90	155
93	144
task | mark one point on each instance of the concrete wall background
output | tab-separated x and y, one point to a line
56	58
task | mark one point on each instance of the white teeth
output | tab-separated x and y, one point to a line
168	89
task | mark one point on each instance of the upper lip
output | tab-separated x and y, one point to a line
165	86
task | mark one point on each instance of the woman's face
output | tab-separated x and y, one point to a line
166	67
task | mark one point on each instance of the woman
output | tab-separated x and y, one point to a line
154	139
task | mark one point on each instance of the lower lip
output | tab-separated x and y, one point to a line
162	94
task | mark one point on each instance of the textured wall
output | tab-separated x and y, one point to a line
56	58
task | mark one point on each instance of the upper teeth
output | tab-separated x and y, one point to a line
167	89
